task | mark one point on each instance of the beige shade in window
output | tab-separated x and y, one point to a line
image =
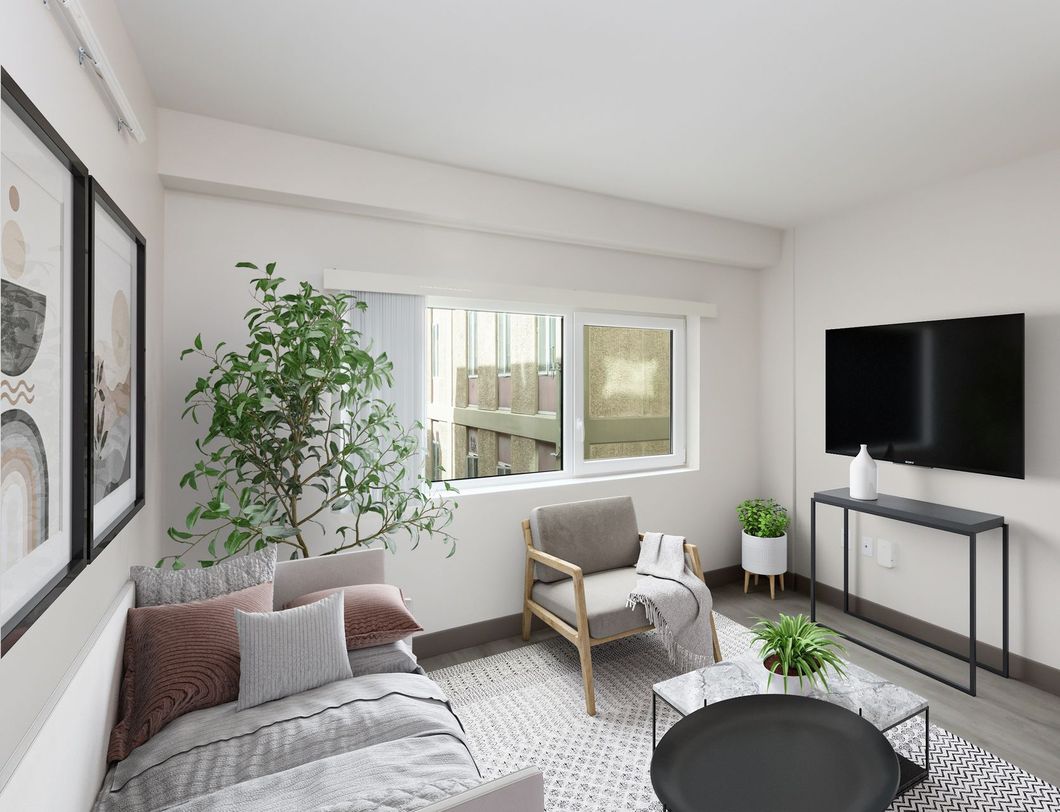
628	392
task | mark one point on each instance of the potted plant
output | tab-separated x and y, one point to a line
298	430
793	646
765	540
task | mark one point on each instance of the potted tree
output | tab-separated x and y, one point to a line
765	541
797	650
297	430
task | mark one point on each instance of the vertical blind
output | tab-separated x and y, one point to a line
394	324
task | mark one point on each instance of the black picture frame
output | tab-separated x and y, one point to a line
77	376
98	196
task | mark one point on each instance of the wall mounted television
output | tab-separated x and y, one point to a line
942	394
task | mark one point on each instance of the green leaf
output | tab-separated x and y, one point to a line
198	342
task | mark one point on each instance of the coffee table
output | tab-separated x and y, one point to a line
879	701
770	752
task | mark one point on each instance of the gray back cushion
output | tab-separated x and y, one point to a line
155	587
598	534
287	652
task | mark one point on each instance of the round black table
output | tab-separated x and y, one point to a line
774	753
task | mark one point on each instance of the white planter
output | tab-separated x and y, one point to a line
863	481
776	684
765	556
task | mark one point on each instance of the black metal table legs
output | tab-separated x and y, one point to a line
972	656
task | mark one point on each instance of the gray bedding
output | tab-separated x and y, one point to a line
382	741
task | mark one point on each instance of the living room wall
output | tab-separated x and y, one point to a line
38	55
986	243
207	235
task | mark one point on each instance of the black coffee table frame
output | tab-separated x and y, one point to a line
911	772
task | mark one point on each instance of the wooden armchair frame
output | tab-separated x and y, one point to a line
579	635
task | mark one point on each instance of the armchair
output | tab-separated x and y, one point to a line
580	567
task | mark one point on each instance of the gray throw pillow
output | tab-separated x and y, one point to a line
293	650
155	587
389	658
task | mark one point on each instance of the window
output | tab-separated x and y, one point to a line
504	350
472	342
503	417
631	394
547	344
436	347
499	406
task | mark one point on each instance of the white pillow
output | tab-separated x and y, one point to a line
287	652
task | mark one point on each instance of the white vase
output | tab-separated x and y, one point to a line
765	556
863	479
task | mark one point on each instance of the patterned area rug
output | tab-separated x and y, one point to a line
524	708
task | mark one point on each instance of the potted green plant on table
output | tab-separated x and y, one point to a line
299	429
793	647
764	543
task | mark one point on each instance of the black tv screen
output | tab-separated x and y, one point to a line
944	394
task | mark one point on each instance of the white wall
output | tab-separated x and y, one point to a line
987	243
35	52
207	235
220	157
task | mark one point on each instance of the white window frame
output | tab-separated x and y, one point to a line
584	466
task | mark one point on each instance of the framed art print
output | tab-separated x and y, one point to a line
43	385
116	425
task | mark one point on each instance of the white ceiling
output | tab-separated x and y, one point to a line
774	112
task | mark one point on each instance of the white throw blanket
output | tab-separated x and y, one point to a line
675	600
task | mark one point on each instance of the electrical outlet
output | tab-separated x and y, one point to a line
885	553
867	546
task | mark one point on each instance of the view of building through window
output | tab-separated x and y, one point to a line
494	393
628	392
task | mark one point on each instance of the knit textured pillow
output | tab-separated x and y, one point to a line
155	586
179	658
374	614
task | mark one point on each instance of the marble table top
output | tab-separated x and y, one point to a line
881	702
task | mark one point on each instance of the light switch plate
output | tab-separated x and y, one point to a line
885	553
867	547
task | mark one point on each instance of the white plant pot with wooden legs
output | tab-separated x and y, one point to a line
765	556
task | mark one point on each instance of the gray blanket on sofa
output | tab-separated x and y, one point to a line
675	600
383	741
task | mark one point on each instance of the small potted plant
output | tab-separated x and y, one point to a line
765	540
794	647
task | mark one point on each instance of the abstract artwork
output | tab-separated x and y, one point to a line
114	436
38	205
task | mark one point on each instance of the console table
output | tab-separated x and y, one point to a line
969	523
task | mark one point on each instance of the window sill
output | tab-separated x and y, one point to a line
485	485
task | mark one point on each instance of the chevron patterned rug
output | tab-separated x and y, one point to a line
524	708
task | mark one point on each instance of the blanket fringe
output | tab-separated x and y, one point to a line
680	657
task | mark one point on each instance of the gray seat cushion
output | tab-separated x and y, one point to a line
605	601
597	535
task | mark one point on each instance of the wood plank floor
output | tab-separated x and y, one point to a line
1017	722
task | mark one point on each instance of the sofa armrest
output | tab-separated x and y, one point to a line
522	791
